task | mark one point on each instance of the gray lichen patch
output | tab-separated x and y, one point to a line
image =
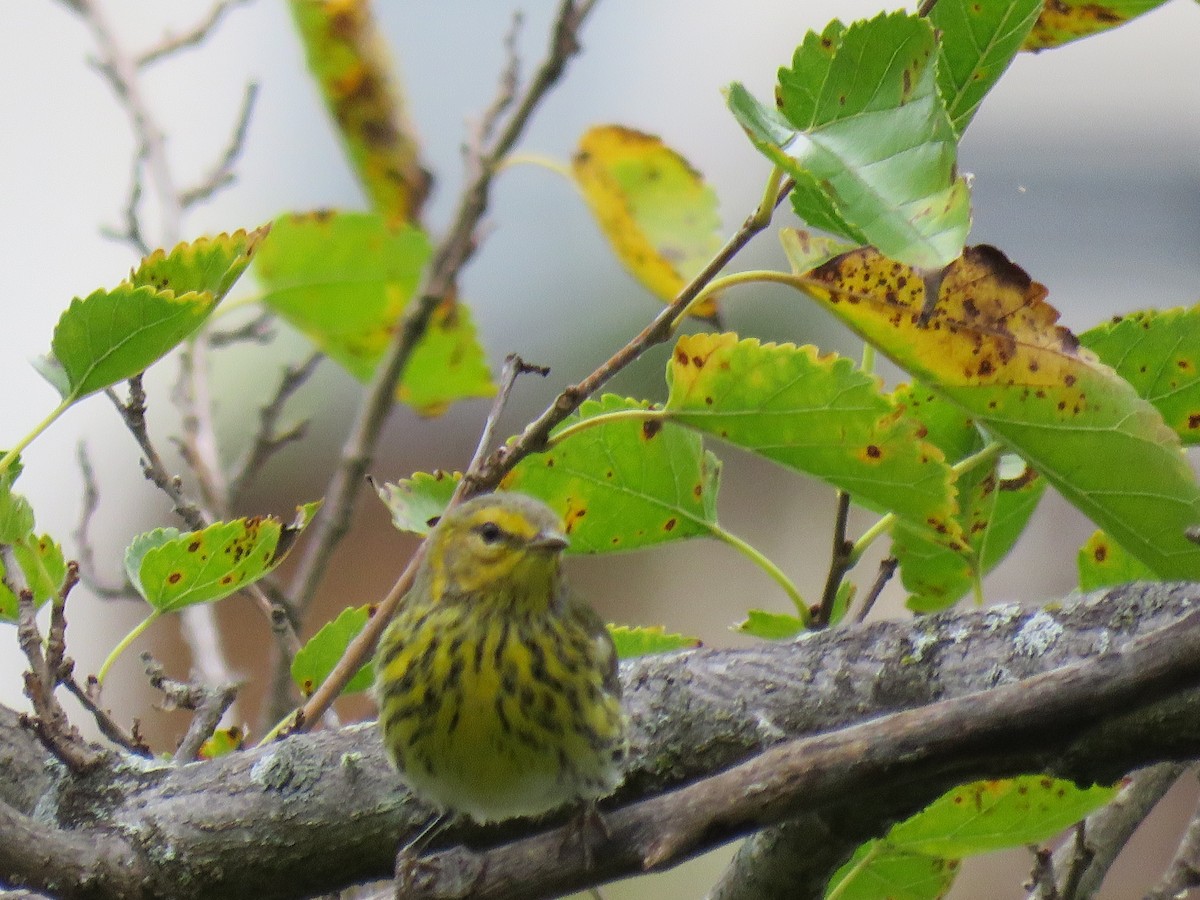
1040	632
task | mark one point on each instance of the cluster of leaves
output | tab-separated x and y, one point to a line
865	128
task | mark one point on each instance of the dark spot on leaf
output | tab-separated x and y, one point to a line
681	357
1068	380
1193	420
669	525
697	362
549	462
193	547
174	577
708	401
874	452
1100	553
433	520
698	490
651	428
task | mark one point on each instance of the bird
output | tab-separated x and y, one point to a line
497	687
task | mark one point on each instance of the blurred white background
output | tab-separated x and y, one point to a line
1086	173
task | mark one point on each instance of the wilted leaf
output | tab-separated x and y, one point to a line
1063	21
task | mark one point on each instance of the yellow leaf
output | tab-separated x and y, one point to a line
654	208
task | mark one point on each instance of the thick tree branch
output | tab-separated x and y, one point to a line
1088	690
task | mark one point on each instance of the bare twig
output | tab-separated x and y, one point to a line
267	442
887	568
453	252
839	562
133	413
131	232
1083	862
49	721
89	572
1183	873
256	331
510	82
209	703
222	174
198	443
130	740
190	38
514	366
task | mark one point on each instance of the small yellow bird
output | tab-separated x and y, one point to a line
497	689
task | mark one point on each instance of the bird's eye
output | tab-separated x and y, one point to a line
490	532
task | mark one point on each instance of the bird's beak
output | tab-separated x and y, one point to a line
550	540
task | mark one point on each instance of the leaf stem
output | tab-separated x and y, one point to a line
728	281
15	451
617	415
756	557
848	881
536	159
124	643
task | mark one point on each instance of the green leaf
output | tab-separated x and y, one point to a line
993	815
8	600
880	871
992	511
16	515
207	265
223	741
862	130
43	565
1064	21
620	484
990	344
417	503
634	641
770	625
625	483
819	415
654	208
1156	352
1103	563
345	280
173	570
978	42
315	660
110	336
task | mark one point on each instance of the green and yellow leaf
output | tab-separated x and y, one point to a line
1103	563
654	208
633	640
990	344
1063	21
316	659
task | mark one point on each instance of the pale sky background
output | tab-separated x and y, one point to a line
1086	173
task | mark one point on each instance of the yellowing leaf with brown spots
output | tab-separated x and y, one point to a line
991	344
994	505
1104	563
818	414
348	57
654	208
173	570
626	483
1158	352
1063	21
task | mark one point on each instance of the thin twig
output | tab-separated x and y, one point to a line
839	562
49	721
514	367
267	441
223	174
453	252
198	443
1183	872
510	82
191	38
209	703
129	740
132	230
887	568
1042	876
256	331
89	571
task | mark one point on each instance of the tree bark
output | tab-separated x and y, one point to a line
313	813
